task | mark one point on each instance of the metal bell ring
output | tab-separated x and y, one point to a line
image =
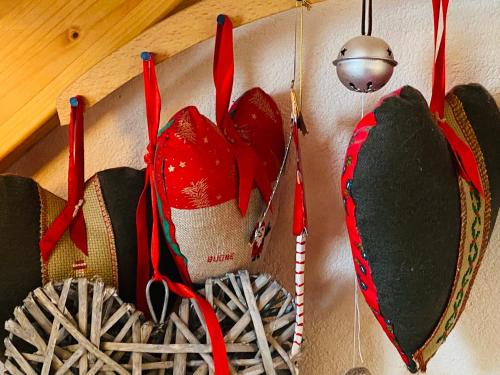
365	64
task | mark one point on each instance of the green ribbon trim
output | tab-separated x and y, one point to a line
169	124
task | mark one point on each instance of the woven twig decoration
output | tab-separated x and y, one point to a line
82	327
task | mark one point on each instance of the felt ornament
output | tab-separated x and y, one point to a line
213	180
422	190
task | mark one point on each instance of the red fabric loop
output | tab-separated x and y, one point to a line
72	215
153	105
247	161
468	166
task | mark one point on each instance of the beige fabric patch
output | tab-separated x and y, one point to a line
215	240
67	260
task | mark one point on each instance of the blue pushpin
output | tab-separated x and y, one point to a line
146	56
221	18
74	101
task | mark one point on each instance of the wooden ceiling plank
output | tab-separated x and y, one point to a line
41	58
167	38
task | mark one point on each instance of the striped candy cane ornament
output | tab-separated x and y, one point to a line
300	258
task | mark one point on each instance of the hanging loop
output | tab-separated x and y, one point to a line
363	18
150	303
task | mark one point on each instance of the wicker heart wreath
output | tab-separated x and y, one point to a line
81	326
105	204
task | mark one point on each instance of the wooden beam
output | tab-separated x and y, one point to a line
167	38
47	44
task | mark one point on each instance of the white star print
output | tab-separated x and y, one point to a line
171	168
182	164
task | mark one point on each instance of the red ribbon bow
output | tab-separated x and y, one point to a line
71	216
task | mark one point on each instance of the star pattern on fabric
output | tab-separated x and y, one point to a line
205	140
171	168
182	164
254	116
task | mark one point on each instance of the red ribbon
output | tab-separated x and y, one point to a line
153	105
466	159
71	216
247	161
299	209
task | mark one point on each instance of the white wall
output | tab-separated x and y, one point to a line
116	136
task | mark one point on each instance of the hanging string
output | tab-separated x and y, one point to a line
356	336
298	46
294	71
363	18
300	57
362	105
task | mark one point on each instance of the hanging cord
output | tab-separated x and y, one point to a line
298	44
363	18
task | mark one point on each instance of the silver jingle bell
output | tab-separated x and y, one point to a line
358	371
365	64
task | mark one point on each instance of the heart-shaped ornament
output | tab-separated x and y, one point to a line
26	211
417	230
422	191
214	180
195	165
80	326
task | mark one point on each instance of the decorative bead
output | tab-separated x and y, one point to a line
348	186
362	269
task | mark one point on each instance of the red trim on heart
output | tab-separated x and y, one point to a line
361	263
